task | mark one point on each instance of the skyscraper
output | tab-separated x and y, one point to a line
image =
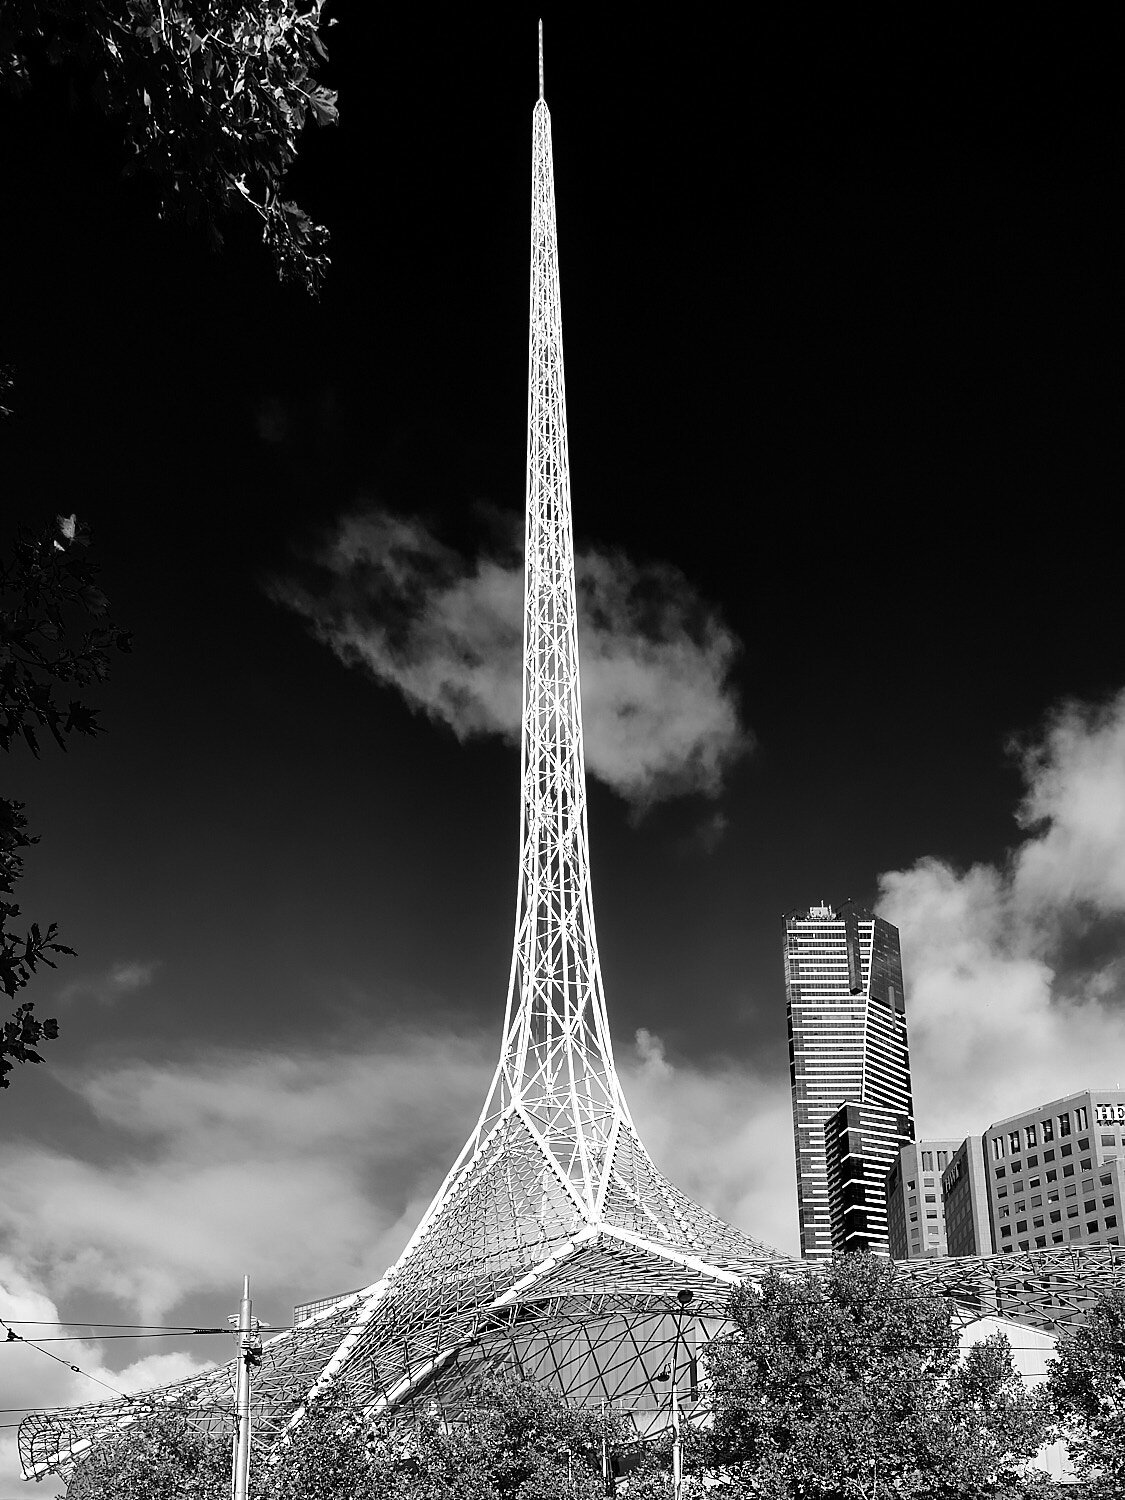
847	1046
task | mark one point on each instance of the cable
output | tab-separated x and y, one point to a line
18	1338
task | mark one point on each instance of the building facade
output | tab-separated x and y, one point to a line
916	1216
1055	1173
847	1045
964	1191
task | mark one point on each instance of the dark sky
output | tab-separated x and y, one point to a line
842	323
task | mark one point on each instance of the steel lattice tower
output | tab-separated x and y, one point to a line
554	1248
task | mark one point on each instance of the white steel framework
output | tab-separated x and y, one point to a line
554	1247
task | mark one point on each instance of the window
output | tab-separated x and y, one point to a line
1072	1210
1032	1161
1014	1142
1092	1227
943	1160
1005	1247
1033	1182
1064	1125
1107	1201
1031	1136
931	1213
1021	1205
1056	1237
1085	1164
1074	1232
1048	1127
1017	1166
1052	1176
1006	1231
927	1182
1002	1192
1053	1196
1084	1143
1021	1228
1068	1150
997	1148
1037	1222
927	1161
1087	1184
1105	1179
1023	1244
1108	1140
1071	1190
1081	1119
1005	1212
1111	1221
911	1184
1049	1155
1089	1205
1068	1170
913	1200
931	1231
931	1197
1056	1215
1001	1172
1040	1242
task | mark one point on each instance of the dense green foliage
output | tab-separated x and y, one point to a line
213	95
54	629
1087	1385
846	1385
165	1455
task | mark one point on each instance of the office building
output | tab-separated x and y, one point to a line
964	1191
1055	1173
916	1217
847	1045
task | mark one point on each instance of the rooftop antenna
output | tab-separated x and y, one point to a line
540	57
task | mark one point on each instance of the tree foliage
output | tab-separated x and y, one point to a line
1087	1386
519	1443
213	95
845	1385
163	1455
54	629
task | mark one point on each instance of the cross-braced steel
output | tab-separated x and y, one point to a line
554	1247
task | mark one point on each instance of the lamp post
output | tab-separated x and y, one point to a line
249	1355
683	1298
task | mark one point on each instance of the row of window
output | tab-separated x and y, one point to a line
1073	1233
1032	1161
1042	1130
928	1161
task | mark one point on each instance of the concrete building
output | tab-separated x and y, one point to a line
1055	1173
916	1215
847	1045
964	1192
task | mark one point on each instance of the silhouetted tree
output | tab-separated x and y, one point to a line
54	629
212	96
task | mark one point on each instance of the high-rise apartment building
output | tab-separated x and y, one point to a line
1055	1173
916	1215
847	1045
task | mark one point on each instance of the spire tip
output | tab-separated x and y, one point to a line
540	57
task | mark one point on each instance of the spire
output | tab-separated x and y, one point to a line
541	57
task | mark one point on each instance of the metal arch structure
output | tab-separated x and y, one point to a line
555	1247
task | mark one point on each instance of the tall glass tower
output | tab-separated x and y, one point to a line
849	1066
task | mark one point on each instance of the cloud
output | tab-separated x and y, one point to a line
1015	971
120	979
308	1171
721	1133
661	717
29	1379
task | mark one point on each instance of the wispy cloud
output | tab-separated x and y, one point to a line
29	1379
1016	971
120	979
661	717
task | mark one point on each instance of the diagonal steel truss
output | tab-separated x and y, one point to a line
554	1247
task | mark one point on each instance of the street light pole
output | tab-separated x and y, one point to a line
683	1298
248	1348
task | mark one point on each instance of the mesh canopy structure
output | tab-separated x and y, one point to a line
554	1248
